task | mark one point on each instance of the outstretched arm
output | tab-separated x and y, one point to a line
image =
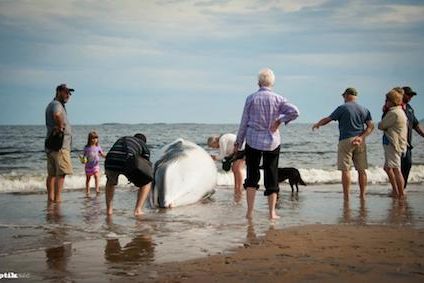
419	130
322	122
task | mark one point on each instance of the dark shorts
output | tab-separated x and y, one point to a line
138	181
270	167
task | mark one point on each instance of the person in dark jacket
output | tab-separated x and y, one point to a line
129	156
413	124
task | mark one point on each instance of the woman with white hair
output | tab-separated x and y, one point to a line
264	112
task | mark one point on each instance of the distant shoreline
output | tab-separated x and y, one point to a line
153	123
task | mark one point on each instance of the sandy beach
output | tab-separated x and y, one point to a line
318	238
313	253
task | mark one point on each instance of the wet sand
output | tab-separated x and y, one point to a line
313	253
318	238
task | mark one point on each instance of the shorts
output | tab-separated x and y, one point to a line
347	152
270	166
59	163
113	176
392	158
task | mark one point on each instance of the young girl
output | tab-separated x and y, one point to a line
91	158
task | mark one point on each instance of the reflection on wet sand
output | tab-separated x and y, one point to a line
59	255
140	249
54	213
251	233
399	213
291	200
92	209
348	217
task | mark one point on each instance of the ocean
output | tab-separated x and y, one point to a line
23	161
75	241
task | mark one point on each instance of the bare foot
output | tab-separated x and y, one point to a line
274	216
249	216
138	212
237	198
393	195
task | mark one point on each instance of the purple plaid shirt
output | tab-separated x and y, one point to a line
261	109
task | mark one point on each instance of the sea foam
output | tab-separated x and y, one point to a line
18	183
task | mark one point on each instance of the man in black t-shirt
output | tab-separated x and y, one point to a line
131	157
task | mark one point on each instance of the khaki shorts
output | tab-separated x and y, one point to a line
59	163
391	157
112	177
347	152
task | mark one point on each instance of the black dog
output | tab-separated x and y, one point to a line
293	175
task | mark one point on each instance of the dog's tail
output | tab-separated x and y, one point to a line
301	181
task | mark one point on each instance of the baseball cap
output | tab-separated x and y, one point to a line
350	91
64	87
409	91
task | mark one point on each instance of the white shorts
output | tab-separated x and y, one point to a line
391	156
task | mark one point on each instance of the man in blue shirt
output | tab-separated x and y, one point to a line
352	119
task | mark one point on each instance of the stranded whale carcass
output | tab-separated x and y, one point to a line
184	174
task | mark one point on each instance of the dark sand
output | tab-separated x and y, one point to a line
314	253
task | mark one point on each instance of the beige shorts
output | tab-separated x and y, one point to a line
347	152
59	163
112	177
391	157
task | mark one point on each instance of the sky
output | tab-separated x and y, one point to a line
196	61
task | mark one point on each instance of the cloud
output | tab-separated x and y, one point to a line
379	14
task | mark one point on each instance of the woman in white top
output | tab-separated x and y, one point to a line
225	144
